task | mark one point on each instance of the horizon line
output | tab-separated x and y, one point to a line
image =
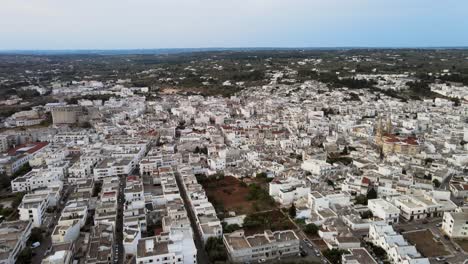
233	48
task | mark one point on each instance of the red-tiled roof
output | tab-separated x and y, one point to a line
411	141
132	178
365	180
388	138
30	148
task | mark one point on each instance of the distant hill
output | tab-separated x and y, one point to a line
189	50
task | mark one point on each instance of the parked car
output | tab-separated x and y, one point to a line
440	259
35	244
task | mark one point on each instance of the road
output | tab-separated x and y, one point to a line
311	252
119	248
202	257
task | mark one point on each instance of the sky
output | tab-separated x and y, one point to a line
147	24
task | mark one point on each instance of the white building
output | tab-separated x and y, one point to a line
288	191
4	146
36	179
414	207
455	225
14	238
266	246
397	248
318	167
112	167
318	201
33	208
384	209
176	247
66	231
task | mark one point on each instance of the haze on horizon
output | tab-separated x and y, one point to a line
147	24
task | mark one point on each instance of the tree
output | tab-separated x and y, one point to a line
197	150
428	160
436	183
378	251
17	199
311	229
292	211
86	124
361	199
256	193
24	256
345	151
366	215
231	228
36	235
215	249
334	255
372	194
5	181
23	170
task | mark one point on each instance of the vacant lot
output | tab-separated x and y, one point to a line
272	220
426	244
230	194
462	243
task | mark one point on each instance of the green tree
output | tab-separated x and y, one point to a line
372	194
36	235
24	256
197	150
292	211
215	249
361	199
311	229
366	215
231	228
5	181
436	183
378	251
334	255
345	151
17	199
22	171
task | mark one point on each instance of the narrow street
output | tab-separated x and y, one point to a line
202	257
310	251
119	253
